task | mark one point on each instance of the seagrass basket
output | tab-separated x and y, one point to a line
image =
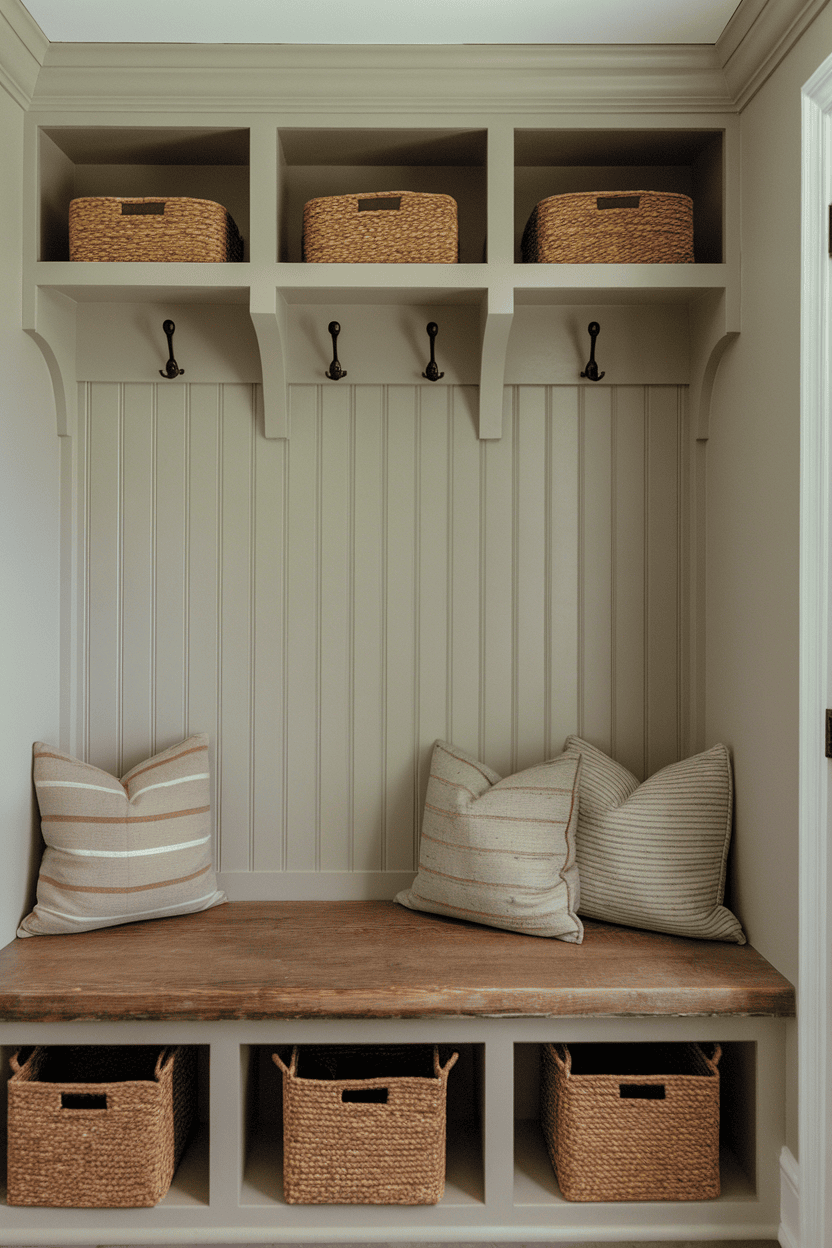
610	227
364	1126
153	228
384	227
632	1121
98	1127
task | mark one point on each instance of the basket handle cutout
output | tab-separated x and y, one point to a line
388	204
365	1096
641	1091
83	1100
142	210
618	201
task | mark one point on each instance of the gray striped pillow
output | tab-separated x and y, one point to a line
122	850
500	852
653	855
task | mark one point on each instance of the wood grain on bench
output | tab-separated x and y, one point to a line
372	959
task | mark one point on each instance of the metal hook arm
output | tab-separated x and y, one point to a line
335	372
591	372
171	369
432	372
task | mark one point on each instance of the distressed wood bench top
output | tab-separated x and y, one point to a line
372	959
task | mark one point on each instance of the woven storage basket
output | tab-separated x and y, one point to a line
632	1121
387	227
364	1126
610	227
154	228
98	1127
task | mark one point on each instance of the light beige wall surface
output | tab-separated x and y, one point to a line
753	525
29	548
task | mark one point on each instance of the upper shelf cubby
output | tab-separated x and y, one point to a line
558	162
202	163
314	162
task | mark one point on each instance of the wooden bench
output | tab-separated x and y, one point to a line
372	959
246	977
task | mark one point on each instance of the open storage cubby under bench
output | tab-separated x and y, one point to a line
248	978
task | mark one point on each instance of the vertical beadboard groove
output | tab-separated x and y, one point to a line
646	559
450	450
351	635
384	623
481	554
220	503
319	468
581	658
252	622
417	615
120	578
516	431
186	581
87	497
284	660
548	574
613	569
681	564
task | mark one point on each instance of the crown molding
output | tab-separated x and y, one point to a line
439	79
23	46
756	39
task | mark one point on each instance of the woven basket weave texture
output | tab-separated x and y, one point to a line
152	228
641	1122
610	227
364	1125
383	227
116	1150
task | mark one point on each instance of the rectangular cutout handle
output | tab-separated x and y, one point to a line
142	210
641	1091
389	204
618	201
365	1096
83	1100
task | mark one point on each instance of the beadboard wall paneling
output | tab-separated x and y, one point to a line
326	607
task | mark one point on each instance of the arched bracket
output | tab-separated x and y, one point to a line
496	319
712	328
267	309
49	318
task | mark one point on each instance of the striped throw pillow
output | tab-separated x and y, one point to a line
654	855
500	852
122	850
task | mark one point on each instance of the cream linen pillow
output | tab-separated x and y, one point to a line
500	852
122	850
653	855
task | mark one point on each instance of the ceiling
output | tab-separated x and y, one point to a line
382	21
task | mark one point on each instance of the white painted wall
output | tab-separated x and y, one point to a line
753	526
29	549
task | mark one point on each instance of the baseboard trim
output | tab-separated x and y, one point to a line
789	1233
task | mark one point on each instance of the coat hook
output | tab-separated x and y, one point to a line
432	371
171	369
591	372
335	372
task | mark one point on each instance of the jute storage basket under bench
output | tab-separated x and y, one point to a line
386	227
98	1127
610	227
632	1121
152	228
363	1125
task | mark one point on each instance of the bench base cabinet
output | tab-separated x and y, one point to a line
500	1184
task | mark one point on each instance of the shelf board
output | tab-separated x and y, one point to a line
118	281
615	283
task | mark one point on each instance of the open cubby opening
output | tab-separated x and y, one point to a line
199	163
318	162
688	162
535	1182
262	1101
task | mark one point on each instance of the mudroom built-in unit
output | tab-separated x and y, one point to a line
328	575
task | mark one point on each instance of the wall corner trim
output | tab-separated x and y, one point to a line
23	47
788	1234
